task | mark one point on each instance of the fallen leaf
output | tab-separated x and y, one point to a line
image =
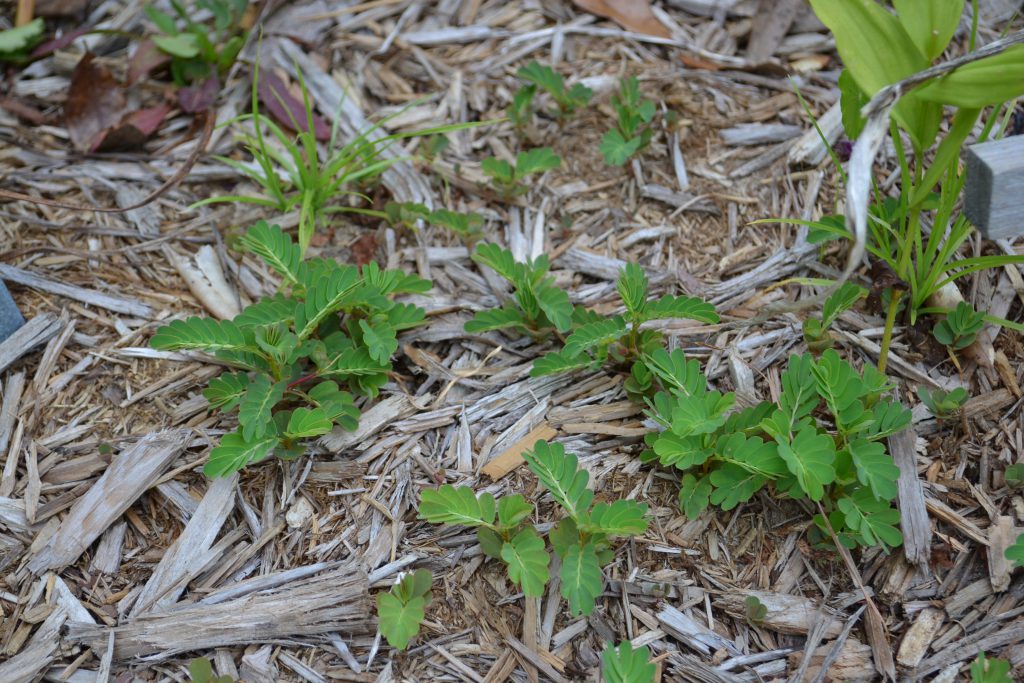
364	248
197	98
632	15
133	130
94	104
287	109
146	59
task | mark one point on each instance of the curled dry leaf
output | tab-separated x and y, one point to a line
632	15
95	103
287	109
133	130
199	97
146	59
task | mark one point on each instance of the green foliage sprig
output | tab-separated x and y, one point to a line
624	664
633	131
468	226
582	539
986	670
960	327
198	51
816	331
941	403
727	457
330	325
16	43
508	179
201	671
401	610
544	78
537	307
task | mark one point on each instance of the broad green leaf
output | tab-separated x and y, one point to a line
694	495
499	260
380	341
226	391
307	422
183	45
752	454
559	361
555	304
688	307
582	581
851	101
810	459
620	518
204	334
495	319
985	670
734	485
254	410
873	520
632	288
499	169
683	452
399	622
596	334
490	542
544	77
274	246
558	472
929	24
875	468
235	452
563	536
457	506
414	585
616	149
271	310
20	38
527	562
325	298
536	161
336	404
701	413
623	664
678	374
512	510
1015	553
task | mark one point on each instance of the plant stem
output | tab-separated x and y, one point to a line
890	322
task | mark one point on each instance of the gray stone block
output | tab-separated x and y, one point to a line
10	317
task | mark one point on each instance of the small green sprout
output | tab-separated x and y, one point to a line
198	51
984	670
1013	475
816	332
960	328
507	179
401	610
201	671
754	610
568	100
941	403
623	664
16	43
633	132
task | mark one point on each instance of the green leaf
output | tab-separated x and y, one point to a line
20	38
701	413
464	224
183	45
1013	475
988	81
811	459
623	664
399	622
564	535
632	288
887	418
337	405
254	409
851	100
560	361
544	77
271	310
306	422
536	161
1015	553
203	334
871	519
678	374
840	300
595	334
694	495
555	304
838	383
324	298
457	506
930	25
875	468
274	246
512	510
495	319
235	452
616	149
620	518
414	585
527	562
380	341
490	542
163	21
499	260
688	307
798	397
499	169
558	472
226	391
582	581
682	452
984	670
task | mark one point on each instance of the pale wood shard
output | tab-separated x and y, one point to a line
39	330
773	20
40	651
810	149
107	559
691	632
1001	535
917	531
853	663
512	457
335	601
13	387
87	296
382	414
204	276
786	613
749	134
129	475
190	553
919	637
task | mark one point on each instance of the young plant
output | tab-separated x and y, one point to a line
508	179
401	610
839	462
623	664
1013	475
941	403
633	131
582	539
16	43
1015	553
754	610
595	339
198	51
925	261
539	77
960	327
329	324
816	332
537	307
201	671
984	670
408	215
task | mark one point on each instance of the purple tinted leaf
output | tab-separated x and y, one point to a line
59	42
197	98
286	109
146	58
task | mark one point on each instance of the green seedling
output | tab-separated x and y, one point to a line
433	146
633	132
596	340
16	43
401	610
816	331
520	110
941	403
508	179
537	308
582	539
540	77
985	670
330	325
201	671
1015	553
728	456
754	610
197	50
408	215
623	664
1013	475
960	327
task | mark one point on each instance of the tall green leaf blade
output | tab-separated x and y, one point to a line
457	506
988	81
527	562
582	580
235	452
929	24
558	472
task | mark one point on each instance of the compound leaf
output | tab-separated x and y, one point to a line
536	161
204	334
582	581
499	260
620	518
1015	553
457	506
811	460
873	520
558	472
512	510
527	562
495	319
616	149
307	422
235	452
623	664
591	335
632	288
840	300
694	495
555	304
254	409
688	307
226	391
559	361
274	246
875	468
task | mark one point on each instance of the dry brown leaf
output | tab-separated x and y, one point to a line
632	15
95	103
